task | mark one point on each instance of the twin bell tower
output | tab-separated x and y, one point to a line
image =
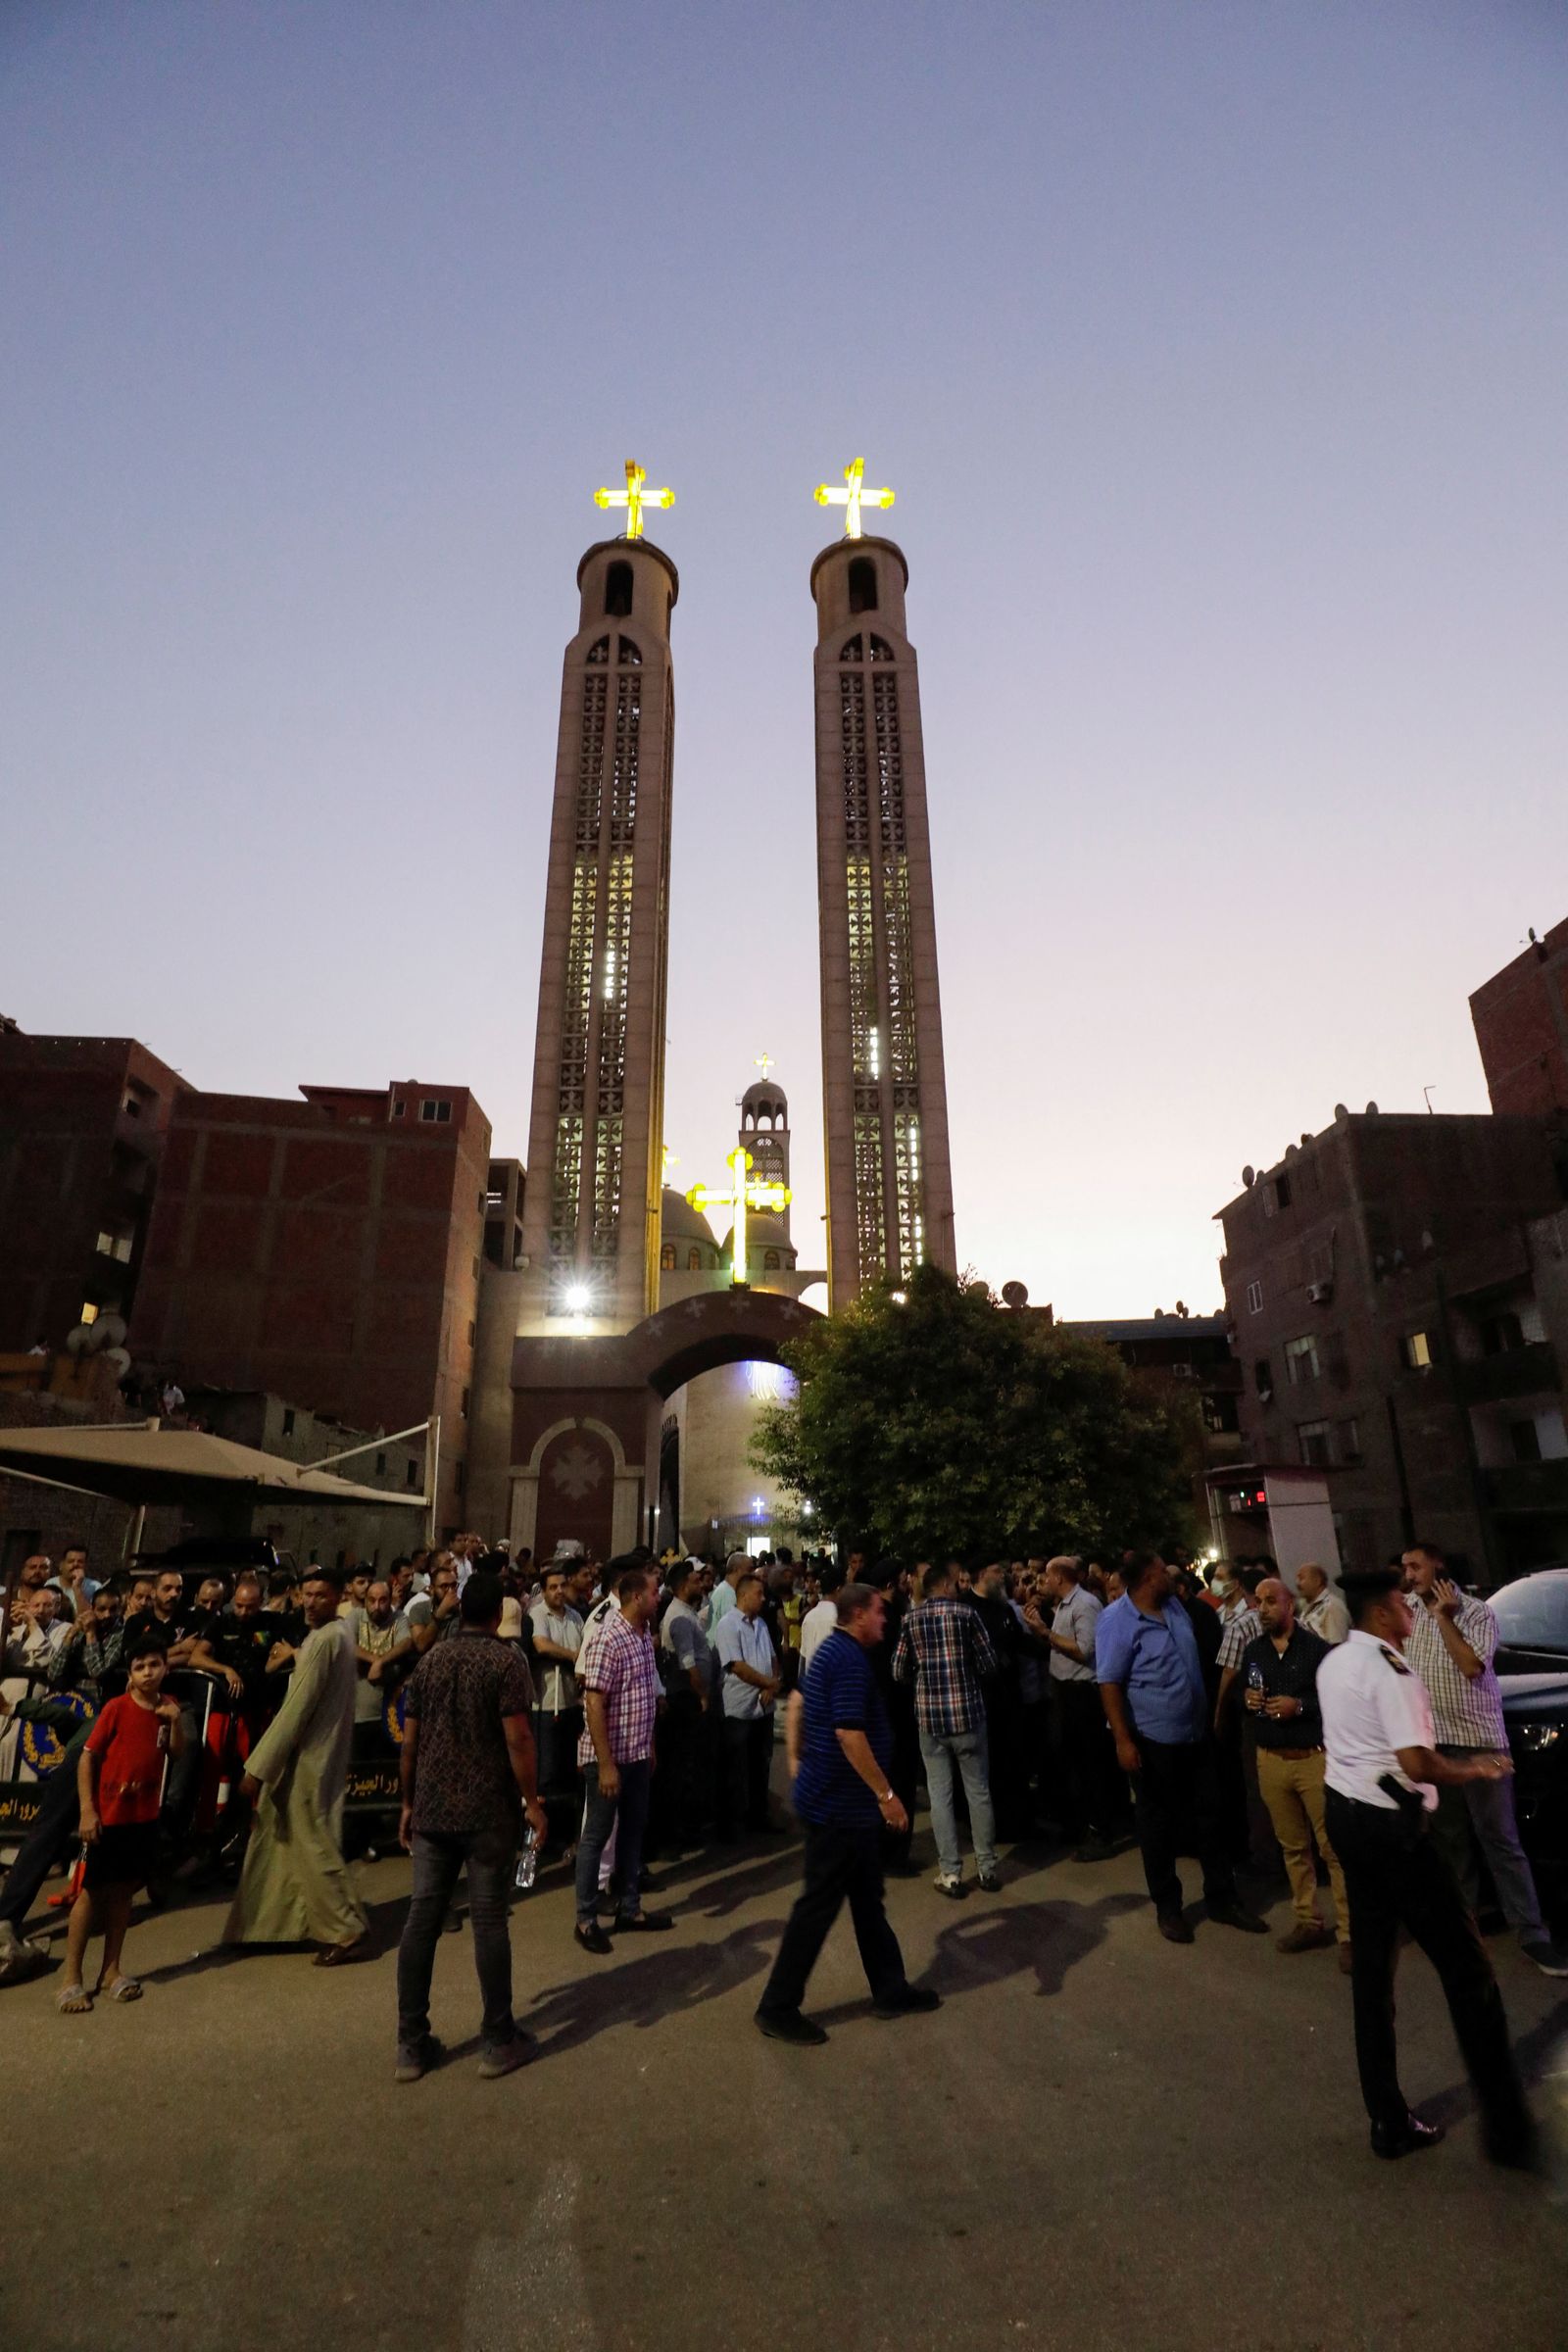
586	1299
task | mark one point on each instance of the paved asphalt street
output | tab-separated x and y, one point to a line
1100	2140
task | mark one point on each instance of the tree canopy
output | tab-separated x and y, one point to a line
946	1423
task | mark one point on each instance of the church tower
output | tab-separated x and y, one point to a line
765	1134
591	1222
884	1089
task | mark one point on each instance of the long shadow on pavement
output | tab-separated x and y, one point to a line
645	1991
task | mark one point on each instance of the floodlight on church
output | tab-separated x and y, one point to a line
580	1299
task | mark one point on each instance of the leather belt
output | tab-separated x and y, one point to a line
1291	1756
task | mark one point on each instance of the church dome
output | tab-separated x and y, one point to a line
764	1231
678	1221
764	1101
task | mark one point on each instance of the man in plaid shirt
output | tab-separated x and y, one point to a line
1451	1646
620	1677
945	1650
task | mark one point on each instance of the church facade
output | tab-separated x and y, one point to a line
626	1353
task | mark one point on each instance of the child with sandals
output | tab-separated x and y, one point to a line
121	1778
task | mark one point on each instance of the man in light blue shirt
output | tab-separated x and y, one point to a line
752	1680
1152	1685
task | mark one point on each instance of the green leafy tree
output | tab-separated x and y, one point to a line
948	1422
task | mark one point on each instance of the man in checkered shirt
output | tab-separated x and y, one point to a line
620	1678
1451	1640
945	1650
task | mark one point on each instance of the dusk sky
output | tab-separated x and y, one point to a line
1218	356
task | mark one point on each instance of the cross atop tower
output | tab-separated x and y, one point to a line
744	1192
635	498
852	497
763	1062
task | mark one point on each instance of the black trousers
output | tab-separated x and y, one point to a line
840	1865
683	1784
1395	1877
1176	1809
743	1786
1087	1759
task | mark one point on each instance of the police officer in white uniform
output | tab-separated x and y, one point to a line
1383	1774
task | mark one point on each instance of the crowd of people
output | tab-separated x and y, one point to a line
622	1711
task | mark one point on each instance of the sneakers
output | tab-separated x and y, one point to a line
591	1936
1237	1915
416	2059
508	2058
788	2025
1306	1936
911	2000
19	1958
952	1887
1549	1957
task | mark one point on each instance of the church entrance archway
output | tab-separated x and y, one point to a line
590	1420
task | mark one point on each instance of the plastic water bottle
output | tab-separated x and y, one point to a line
527	1863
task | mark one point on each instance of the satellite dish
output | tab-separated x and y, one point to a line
119	1361
107	1332
1341	1114
80	1340
1016	1294
1371	1111
1248	1177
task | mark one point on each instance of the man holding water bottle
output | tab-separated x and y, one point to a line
468	1772
1279	1682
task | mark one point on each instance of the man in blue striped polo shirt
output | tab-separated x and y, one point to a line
840	1744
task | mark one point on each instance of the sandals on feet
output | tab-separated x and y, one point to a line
124	1988
74	2001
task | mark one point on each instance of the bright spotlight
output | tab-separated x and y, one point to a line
580	1299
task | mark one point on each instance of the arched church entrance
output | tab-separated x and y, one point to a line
591	1451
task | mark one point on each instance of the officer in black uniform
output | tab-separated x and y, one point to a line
1383	1773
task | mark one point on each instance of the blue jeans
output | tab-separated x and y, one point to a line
940	1752
630	1809
1486	1807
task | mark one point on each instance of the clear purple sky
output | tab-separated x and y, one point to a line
1218	355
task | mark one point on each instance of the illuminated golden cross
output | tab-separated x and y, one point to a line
635	498
746	1190
671	1160
852	497
763	1062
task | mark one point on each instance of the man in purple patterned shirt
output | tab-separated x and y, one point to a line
619	1672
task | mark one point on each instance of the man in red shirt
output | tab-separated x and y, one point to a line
120	1780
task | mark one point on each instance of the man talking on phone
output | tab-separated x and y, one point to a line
1450	1646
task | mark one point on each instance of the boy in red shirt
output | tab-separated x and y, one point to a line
121	1779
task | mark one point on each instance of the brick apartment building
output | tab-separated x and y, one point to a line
1521	1024
82	1122
1397	1291
328	1250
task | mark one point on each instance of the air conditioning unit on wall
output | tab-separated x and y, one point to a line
1320	1292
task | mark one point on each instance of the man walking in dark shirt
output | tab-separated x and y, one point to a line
840	1744
468	1774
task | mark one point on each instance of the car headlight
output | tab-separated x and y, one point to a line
1533	1738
